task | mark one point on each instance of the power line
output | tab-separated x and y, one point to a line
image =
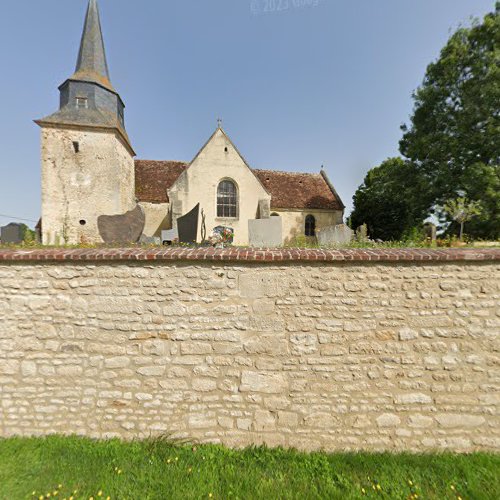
17	218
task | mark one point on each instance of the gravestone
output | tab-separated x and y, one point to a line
335	235
169	236
265	232
176	208
264	209
12	233
149	240
430	231
187	226
362	233
125	228
38	231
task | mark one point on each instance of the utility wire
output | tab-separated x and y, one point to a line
17	218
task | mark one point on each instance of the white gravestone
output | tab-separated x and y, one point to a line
335	235
265	232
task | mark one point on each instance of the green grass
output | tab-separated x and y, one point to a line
159	469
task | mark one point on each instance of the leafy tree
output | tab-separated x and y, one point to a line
462	210
454	136
389	200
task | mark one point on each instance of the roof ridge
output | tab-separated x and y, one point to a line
163	161
285	171
288	172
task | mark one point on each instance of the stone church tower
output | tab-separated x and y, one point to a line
87	158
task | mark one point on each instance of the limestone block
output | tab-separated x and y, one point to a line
69	371
244	424
264	421
420	421
459	420
388	420
361	422
174	384
264	307
152	371
334	350
143	396
28	368
225	422
269	383
407	334
9	367
408	399
288	419
117	362
196	348
490	399
201	421
321	421
304	343
204	384
266	344
257	285
274	403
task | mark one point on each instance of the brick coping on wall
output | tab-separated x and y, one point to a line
232	254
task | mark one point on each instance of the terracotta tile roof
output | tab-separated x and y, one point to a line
298	190
153	178
287	189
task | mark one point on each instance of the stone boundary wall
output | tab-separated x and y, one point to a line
393	349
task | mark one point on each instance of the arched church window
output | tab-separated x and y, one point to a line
310	226
227	199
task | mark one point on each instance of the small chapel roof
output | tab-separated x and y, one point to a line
153	178
288	190
299	190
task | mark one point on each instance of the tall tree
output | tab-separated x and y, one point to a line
389	201
454	135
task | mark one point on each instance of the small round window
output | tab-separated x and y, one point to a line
83	222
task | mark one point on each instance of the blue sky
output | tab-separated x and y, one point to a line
298	83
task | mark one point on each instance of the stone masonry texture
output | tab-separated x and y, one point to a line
366	350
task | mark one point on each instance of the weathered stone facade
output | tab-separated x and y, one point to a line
74	196
334	355
87	158
294	221
217	161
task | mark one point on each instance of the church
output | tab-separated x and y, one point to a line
89	170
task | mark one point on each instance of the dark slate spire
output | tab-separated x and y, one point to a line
92	64
87	98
